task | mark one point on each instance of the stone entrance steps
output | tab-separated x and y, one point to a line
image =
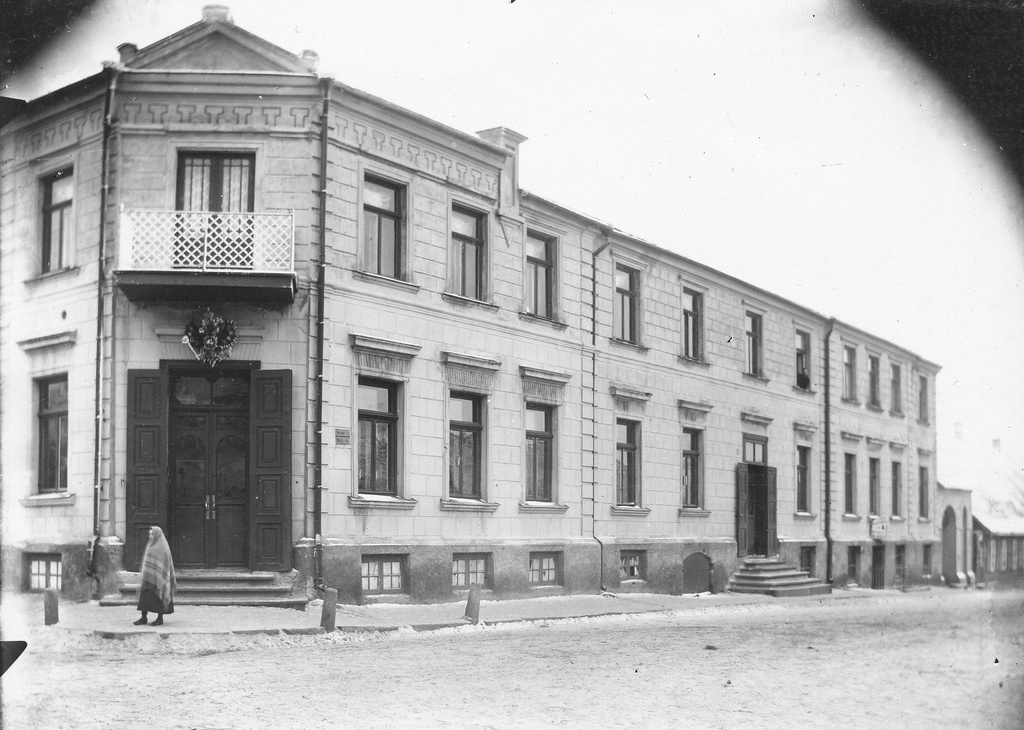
217	588
773	577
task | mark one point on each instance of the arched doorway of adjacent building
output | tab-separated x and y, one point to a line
949	570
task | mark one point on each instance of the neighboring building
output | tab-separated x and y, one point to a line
438	379
999	546
957	528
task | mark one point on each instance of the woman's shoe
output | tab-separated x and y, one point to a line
141	622
159	622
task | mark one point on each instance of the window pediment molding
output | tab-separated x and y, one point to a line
60	339
367	344
806	428
693	410
547	377
850	436
756	417
875	442
471	362
626	393
897	446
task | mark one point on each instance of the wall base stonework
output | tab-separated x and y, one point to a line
663	564
76	585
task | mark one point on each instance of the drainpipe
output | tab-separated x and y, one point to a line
606	232
828	453
318	450
108	104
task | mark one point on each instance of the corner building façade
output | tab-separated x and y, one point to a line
437	379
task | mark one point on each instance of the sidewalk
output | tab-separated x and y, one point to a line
22	614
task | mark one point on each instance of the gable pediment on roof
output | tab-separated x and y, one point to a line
216	47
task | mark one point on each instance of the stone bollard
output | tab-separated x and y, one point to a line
473	604
50	606
330	609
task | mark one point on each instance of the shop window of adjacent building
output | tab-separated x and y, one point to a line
540	275
874	486
922	400
44	571
627	462
850	484
922	491
991	549
803	360
897	488
53	434
465	437
58	198
853	564
383	227
754	343
545	569
850	373
874	381
896	389
470	569
693	338
632	565
627	304
467	253
803	487
755	449
539	452
378	436
383	574
691	467
926	560
807	559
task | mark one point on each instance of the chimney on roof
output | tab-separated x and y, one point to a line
128	52
310	59
997	444
217	14
508	140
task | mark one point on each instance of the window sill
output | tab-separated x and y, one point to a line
852	518
693	512
460	504
875	407
543	507
694	361
924	519
923	423
67	271
757	378
400	598
896	518
623	510
527	317
851	401
627	344
547	589
804	391
385	280
897	414
805	516
467	302
380	501
51	499
461	592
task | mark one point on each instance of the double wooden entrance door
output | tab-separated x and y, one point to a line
208	477
756	510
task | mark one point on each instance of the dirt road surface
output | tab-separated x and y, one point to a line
935	659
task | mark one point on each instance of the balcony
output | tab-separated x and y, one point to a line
175	256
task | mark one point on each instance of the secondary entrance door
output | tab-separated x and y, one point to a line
756	497
208	482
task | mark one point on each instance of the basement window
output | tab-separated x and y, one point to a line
383	574
44	572
632	565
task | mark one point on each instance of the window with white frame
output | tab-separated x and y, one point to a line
539	452
850	373
632	564
627	463
44	571
874	381
465	440
383	574
754	343
627	304
803	479
693	306
52	420
545	569
850	484
468	250
691	467
540	275
803	360
378	436
57	221
895	389
470	569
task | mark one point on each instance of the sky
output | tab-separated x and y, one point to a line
791	144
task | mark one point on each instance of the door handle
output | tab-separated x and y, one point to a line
206	508
213	507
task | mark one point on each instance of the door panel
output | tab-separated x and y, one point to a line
742	477
771	512
146	473
270	419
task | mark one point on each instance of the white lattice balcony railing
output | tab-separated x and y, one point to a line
176	240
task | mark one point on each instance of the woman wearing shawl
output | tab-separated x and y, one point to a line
156	593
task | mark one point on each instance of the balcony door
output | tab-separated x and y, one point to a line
215	196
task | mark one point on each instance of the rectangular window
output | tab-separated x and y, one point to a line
803	487
540	275
897	488
58	196
44	571
693	305
874	381
378	437
850	484
874	486
627	318
470	569
922	491
465	434
807	559
754	344
850	373
895	389
922	400
926	560
627	466
383	218
632	565
383	574
214	182
545	569
467	254
755	450
53	434
991	555
539	449
691	467
803	360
